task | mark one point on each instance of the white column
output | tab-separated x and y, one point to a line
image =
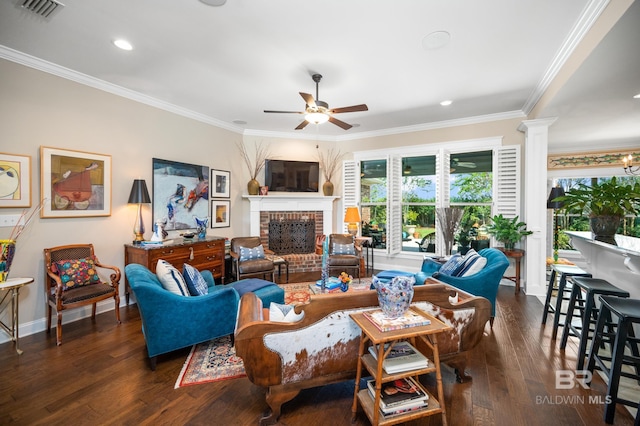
535	203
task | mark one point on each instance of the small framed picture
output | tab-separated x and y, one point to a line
264	190
76	183
219	183
15	180
220	214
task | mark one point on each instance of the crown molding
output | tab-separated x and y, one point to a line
69	74
589	16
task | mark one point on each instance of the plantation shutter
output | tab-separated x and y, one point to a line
350	188
394	205
506	181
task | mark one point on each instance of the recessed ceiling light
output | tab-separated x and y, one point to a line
123	44
446	103
239	122
436	40
637	96
214	2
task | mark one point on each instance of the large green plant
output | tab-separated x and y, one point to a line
608	198
507	231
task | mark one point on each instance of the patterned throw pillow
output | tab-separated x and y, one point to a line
75	273
171	279
196	283
283	313
251	253
343	249
453	265
472	264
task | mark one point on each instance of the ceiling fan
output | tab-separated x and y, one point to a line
317	111
469	164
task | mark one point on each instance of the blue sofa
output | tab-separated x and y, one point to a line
485	283
171	322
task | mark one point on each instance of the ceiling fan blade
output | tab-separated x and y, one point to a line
285	112
353	108
339	123
467	164
308	99
302	125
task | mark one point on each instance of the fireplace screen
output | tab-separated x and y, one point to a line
292	236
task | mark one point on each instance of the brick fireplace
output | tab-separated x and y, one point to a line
292	207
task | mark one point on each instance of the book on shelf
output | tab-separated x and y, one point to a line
405	391
402	409
410	318
402	357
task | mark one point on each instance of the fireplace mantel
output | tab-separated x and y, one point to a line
290	202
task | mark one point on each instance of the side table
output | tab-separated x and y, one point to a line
367	243
279	261
12	287
516	255
371	334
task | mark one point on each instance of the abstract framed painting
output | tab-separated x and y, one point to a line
15	180
74	183
220	183
180	194
220	213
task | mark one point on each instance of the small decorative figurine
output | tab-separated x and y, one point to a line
201	225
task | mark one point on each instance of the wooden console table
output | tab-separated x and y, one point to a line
201	254
516	255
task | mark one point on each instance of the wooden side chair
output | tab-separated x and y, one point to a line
72	281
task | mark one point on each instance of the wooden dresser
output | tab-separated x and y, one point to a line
201	254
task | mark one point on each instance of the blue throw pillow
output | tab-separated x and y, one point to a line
470	259
452	266
344	249
251	253
196	283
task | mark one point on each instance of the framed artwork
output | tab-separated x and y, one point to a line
180	194
15	180
220	183
220	214
74	183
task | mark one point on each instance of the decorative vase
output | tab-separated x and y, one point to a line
394	296
7	250
327	188
201	225
253	187
604	228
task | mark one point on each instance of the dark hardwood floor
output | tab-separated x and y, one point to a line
100	375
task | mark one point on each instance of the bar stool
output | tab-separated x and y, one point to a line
628	312
589	312
562	292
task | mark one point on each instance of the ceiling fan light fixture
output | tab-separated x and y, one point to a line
446	103
316	117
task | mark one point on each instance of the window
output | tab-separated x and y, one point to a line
400	189
574	222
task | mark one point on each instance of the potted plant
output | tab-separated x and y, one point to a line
507	231
606	203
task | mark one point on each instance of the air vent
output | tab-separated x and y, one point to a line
43	8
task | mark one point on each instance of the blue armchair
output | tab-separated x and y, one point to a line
171	322
485	283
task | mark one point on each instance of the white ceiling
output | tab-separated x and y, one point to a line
229	63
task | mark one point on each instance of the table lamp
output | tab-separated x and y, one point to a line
352	218
139	195
556	192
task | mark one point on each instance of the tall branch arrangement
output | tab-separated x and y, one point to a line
449	219
255	161
330	161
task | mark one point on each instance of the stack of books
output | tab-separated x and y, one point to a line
402	357
410	318
331	283
400	396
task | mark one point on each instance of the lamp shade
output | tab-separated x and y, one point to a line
556	192
352	215
139	193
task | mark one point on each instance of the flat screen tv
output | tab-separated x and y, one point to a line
291	176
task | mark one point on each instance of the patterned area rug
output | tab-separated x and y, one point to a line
216	360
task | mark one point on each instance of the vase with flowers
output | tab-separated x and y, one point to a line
329	162
345	281
255	163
